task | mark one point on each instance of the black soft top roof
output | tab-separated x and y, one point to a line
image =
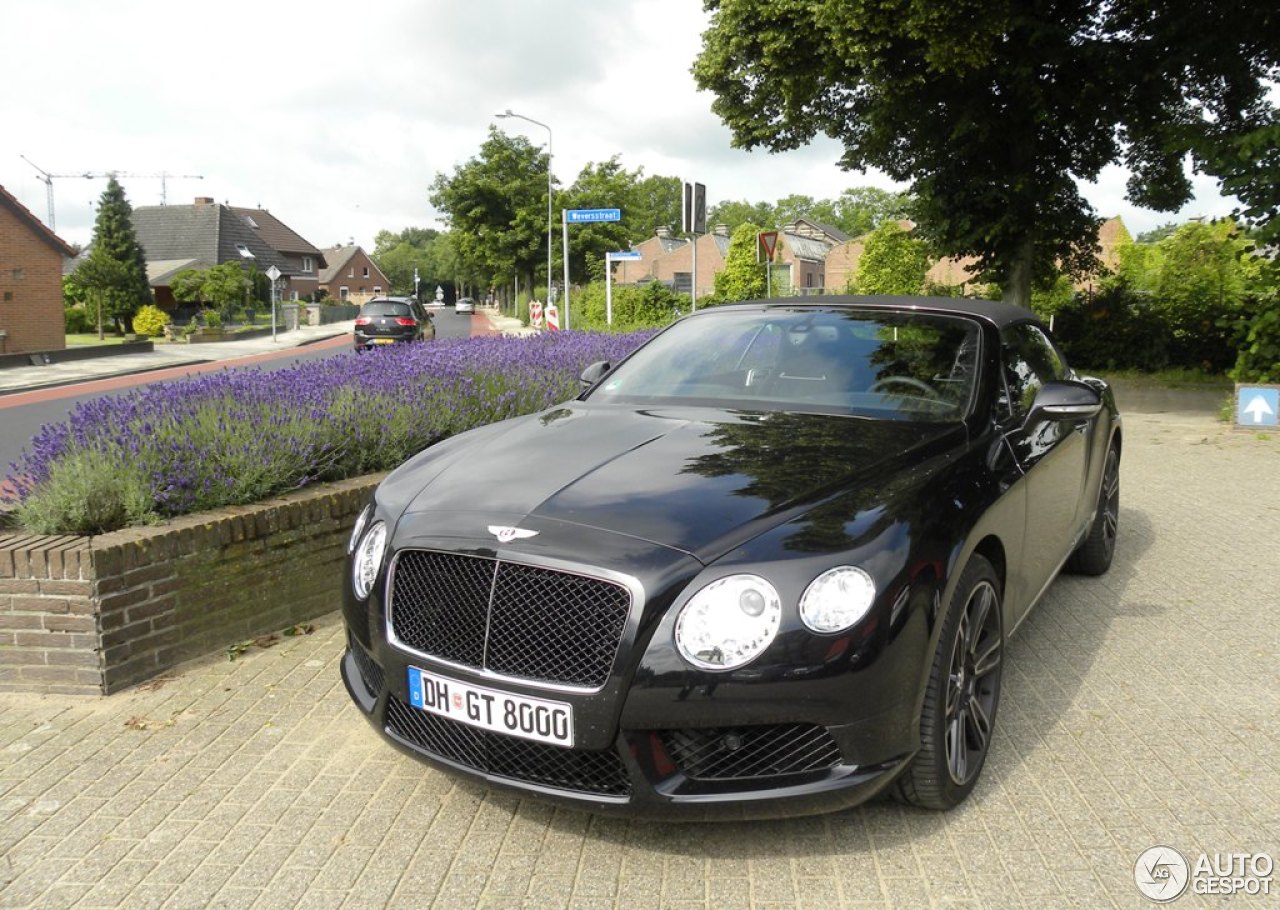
996	312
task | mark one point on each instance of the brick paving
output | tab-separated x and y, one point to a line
1141	708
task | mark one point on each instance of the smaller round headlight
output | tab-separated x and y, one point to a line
837	599
729	622
368	557
361	520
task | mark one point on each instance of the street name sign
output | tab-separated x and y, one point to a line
622	256
592	216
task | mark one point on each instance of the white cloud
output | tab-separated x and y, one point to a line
337	117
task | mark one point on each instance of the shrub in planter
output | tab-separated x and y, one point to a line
150	321
212	319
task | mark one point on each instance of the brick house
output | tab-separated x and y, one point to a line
635	271
350	276
801	256
304	260
204	234
31	258
675	268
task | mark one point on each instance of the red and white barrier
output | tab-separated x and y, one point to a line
535	314
553	318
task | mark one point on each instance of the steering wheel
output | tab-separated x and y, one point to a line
881	385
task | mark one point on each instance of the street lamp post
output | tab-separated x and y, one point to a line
504	115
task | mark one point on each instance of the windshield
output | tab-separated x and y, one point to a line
900	366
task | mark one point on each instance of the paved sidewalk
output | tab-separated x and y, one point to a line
165	355
1141	708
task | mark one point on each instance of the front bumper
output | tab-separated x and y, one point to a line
750	770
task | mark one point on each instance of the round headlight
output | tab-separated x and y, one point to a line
837	599
361	520
729	622
368	557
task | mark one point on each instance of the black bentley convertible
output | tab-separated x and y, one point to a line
767	564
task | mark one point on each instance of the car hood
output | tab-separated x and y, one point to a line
696	480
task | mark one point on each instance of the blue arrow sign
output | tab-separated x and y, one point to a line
1257	406
622	256
591	216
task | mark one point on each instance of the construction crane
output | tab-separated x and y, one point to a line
47	179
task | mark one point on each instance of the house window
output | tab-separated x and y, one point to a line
682	282
244	251
377	289
366	272
351	272
295	296
19	274
343	293
306	264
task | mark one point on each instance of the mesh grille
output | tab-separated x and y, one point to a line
534	623
746	752
507	756
370	672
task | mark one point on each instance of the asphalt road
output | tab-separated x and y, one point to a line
23	414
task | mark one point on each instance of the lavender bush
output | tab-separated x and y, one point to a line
240	436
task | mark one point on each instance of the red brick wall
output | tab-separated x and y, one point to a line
30	289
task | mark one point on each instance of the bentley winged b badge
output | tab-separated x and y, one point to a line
506	534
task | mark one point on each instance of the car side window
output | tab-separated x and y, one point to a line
1029	360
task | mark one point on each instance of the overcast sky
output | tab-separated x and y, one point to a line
337	116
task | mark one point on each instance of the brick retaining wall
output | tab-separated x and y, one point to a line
92	615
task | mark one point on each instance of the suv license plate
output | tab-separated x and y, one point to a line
538	719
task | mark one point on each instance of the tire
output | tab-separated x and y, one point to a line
1093	556
958	717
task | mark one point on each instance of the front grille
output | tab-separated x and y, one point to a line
746	752
370	672
508	756
518	620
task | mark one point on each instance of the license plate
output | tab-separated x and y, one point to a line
539	719
384	341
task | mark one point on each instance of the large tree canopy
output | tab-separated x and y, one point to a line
496	205
993	110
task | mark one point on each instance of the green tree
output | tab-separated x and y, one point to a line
738	212
862	209
892	262
115	239
606	184
742	277
654	202
223	287
496	207
994	111
103	279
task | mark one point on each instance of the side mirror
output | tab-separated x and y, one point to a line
594	373
1065	400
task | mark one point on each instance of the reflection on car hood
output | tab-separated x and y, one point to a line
692	479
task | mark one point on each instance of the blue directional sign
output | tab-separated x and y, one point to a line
623	256
592	216
1257	406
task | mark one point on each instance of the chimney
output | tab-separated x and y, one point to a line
664	233
204	200
721	230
